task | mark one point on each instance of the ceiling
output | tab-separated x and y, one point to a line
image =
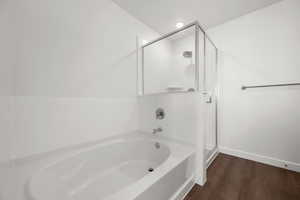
162	15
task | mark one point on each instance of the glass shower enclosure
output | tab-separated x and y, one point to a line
184	61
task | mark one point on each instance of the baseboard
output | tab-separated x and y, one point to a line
212	157
262	159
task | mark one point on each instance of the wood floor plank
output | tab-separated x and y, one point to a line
232	178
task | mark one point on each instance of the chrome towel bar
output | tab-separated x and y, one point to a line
275	85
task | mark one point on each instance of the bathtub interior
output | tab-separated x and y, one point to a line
98	172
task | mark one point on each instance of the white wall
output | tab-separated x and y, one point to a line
74	73
7	55
261	48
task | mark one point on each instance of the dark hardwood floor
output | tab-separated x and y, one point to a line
232	178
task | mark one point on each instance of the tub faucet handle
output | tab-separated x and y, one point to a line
156	130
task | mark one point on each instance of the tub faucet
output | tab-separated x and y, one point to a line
156	130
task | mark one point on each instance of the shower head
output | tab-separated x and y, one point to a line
187	54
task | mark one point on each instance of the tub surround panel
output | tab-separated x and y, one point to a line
181	116
6	127
67	75
55	121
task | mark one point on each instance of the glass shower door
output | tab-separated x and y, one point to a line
211	142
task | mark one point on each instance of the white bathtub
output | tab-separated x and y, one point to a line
118	170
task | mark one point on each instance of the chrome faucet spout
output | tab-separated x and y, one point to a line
156	130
